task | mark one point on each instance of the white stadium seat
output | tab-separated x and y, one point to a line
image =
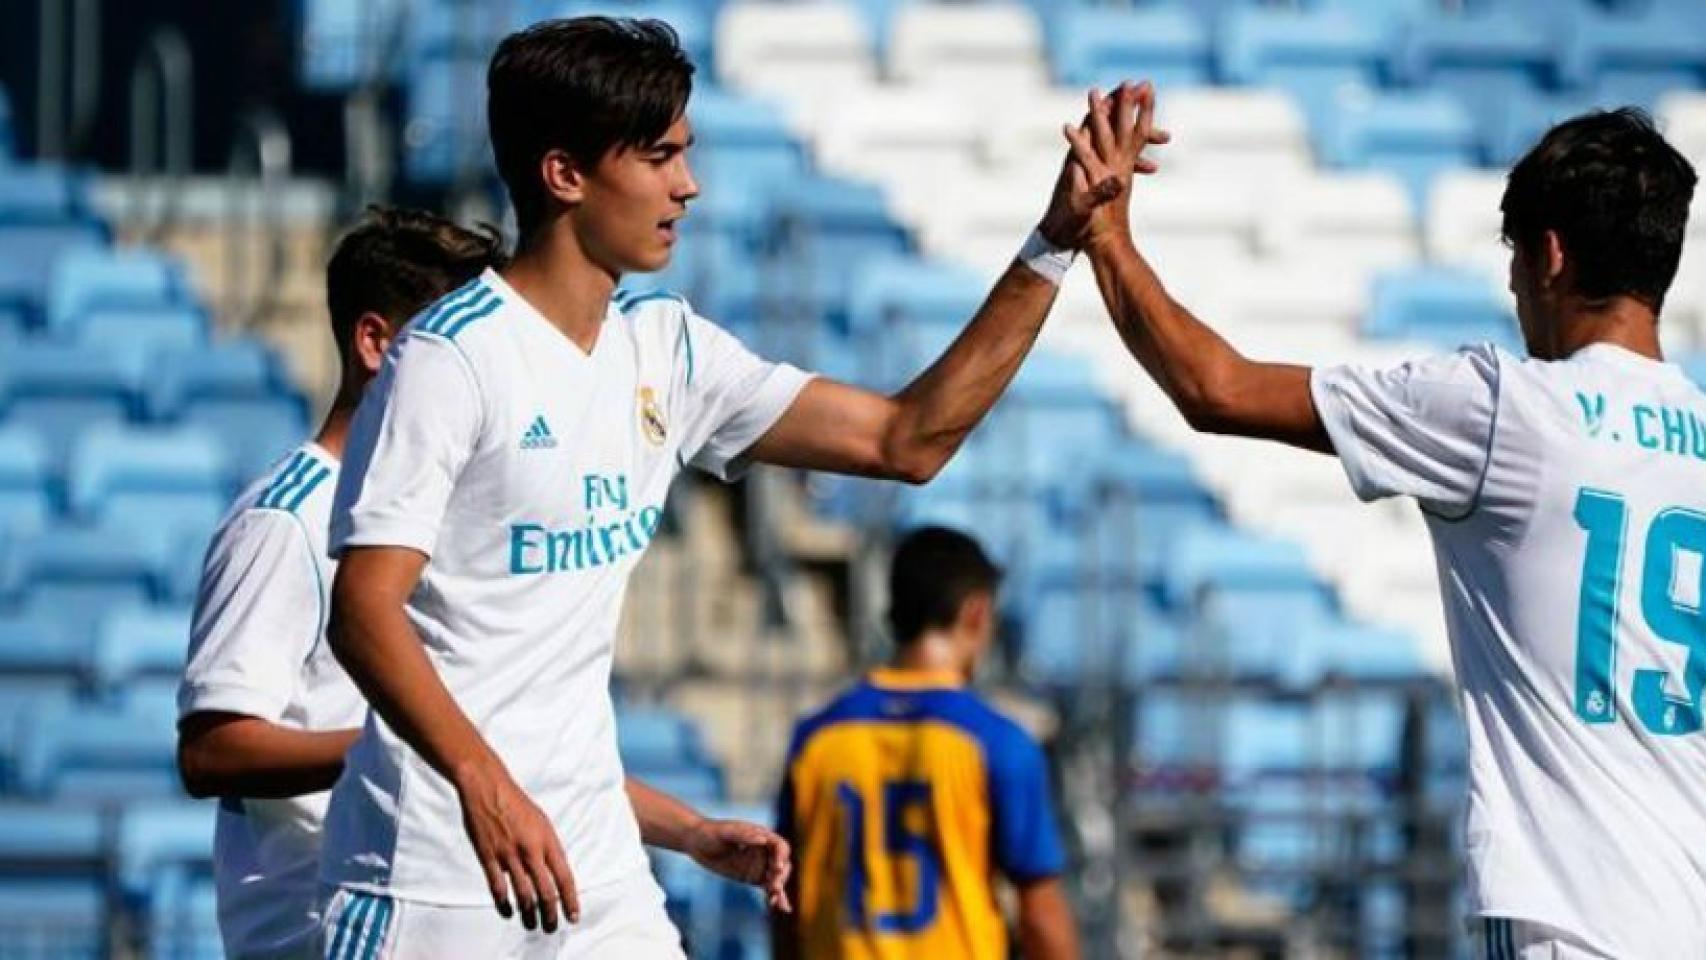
1463	221
794	50
1250	136
1360	223
984	51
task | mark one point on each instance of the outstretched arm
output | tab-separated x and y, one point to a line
1216	388
912	434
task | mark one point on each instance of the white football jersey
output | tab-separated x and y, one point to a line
533	475
257	648
1567	504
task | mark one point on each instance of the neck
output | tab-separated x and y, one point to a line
334	430
1621	321
553	273
934	652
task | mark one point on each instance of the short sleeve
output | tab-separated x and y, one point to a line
732	396
258	614
416	428
1027	840
1422	429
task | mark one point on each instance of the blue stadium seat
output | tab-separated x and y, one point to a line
154	837
27	483
1339	649
51	840
1257	632
1101	46
42	193
829	227
1413	135
744	143
1484	59
183	917
131	643
902	312
95	753
1206	559
53	919
28	252
254	432
85	280
237	390
77	574
1633	55
1526	116
689	18
159	483
22	697
652	739
1359	733
445	134
144	331
1075	633
1442	306
1319	56
1264	737
41	646
61	391
695	785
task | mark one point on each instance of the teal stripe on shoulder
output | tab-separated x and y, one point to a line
452	307
280	477
277	493
314	480
474	315
687	348
449	301
628	304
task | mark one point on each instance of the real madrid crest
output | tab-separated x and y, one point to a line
651	418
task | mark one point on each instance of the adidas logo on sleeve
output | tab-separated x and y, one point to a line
538	436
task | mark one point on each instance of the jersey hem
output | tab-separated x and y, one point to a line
726	458
229	698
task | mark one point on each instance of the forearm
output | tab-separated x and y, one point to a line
664	821
1046	928
1214	386
228	755
937	410
378	647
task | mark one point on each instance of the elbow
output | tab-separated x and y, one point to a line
1206	402
195	771
914	466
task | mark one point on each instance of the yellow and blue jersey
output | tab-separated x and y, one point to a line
903	799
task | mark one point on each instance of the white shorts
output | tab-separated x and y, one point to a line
1502	938
624	920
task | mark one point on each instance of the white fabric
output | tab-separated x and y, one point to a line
1581	816
256	649
533	475
626	920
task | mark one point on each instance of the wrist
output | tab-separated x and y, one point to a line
1045	257
472	773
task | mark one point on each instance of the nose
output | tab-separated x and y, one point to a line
687	187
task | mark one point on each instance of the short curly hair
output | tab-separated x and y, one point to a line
397	261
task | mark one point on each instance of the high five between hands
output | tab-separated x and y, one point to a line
1093	194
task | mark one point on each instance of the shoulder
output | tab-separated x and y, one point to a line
295	485
857	702
1003	740
460	325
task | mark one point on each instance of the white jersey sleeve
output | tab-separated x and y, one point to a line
250	635
1422	429
733	396
416	428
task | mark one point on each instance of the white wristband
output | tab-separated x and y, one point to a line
1045	259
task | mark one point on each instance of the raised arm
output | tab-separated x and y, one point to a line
372	638
1216	388
912	434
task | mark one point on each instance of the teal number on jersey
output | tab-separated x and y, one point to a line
1663	711
900	843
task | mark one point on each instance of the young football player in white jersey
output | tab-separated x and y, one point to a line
1566	496
506	473
265	711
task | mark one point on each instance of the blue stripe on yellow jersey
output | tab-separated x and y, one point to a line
903	798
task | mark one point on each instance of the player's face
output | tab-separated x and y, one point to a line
633	200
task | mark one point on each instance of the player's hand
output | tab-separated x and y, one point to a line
518	850
746	853
1109	147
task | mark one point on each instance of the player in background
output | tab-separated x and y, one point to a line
507	471
265	713
908	794
1566	496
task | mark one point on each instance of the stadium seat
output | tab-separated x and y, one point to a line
344	42
1358	222
162	836
1526	116
1239	135
42	193
50	919
1256	632
909	141
1103	45
60	391
157	483
1413	135
1205	559
787	49
689	19
1076	632
1319	56
1463	222
743	143
28	251
828	226
183	917
44	840
38	645
27	483
1483	58
143	332
84	280
134	642
891	295
78	574
1632	56
1444	307
981	51
93	753
656	739
444	138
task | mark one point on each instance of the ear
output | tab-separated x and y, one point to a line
372	338
1552	249
563	178
977	613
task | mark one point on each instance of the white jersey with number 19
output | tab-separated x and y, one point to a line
1567	504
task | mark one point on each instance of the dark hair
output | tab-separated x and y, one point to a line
934	571
586	86
1616	194
395	262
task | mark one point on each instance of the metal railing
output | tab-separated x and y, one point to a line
162	131
258	169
